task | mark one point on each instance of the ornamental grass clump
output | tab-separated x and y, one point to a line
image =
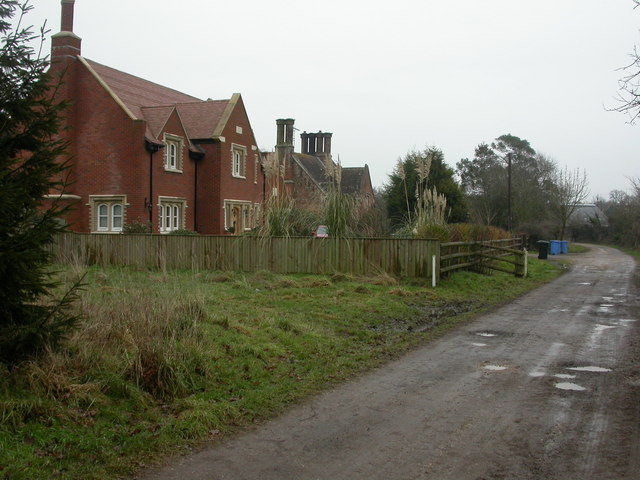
431	207
339	208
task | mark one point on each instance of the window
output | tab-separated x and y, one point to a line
107	213
171	214
173	153
238	161
240	216
255	169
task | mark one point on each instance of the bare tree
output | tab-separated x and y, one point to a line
571	188
629	93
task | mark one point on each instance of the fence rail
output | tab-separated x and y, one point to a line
358	256
492	254
368	256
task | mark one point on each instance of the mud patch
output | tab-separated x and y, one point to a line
427	317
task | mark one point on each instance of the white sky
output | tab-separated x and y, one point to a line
388	77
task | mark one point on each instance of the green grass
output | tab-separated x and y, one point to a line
577	248
167	360
631	251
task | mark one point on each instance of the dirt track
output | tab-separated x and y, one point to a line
547	387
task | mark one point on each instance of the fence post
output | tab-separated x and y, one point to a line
521	267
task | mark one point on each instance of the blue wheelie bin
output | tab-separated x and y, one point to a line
554	247
564	247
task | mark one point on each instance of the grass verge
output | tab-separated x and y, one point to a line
164	361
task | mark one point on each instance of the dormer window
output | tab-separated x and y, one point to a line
173	153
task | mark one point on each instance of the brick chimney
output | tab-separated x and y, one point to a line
284	140
65	44
304	142
327	143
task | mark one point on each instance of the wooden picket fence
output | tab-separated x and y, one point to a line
358	256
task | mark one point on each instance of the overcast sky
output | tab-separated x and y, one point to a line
390	76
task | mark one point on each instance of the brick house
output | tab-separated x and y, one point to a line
141	152
309	175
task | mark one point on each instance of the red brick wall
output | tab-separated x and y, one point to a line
107	150
168	183
226	186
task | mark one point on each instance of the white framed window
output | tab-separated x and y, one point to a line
240	216
171	213
107	213
173	148
238	161
255	168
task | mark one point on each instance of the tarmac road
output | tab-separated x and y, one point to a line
546	387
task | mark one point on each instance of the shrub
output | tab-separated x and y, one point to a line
137	227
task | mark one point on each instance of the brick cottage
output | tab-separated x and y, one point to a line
140	152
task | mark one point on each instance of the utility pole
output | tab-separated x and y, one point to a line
509	216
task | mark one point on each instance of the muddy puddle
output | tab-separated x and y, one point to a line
427	317
589	369
570	386
495	368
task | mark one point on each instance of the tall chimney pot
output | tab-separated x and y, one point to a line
66	20
327	143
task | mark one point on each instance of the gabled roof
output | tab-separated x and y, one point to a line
157	118
202	118
145	100
353	179
314	167
136	92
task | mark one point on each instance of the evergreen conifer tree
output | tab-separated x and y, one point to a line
31	317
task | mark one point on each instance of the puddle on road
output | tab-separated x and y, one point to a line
486	334
627	320
601	328
584	283
570	386
479	344
494	368
537	373
564	376
605	308
589	369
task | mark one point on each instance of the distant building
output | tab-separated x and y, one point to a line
308	176
588	214
144	153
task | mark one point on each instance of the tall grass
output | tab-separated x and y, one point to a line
339	215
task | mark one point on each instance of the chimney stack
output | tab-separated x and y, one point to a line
312	144
327	143
284	140
66	22
304	142
320	142
65	43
